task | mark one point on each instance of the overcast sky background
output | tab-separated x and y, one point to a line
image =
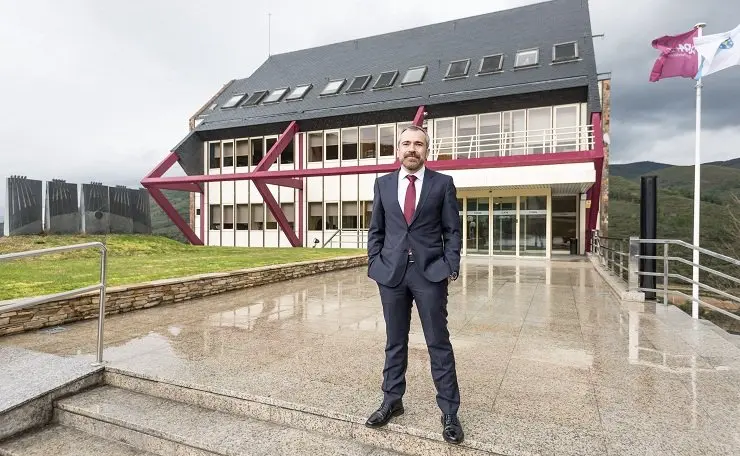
101	90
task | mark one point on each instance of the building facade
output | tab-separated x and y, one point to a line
510	100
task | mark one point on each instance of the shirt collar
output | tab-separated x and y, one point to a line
419	174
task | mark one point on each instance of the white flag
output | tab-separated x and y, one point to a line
718	51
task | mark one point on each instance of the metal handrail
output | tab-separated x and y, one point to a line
549	139
635	272
359	234
30	302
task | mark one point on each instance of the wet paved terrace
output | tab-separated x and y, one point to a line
548	361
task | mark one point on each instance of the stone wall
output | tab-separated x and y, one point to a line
132	297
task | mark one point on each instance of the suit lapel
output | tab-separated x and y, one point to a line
426	187
394	193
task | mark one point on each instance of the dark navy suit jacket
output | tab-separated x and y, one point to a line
433	236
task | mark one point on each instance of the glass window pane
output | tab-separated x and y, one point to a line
367	142
539	137
332	146
489	138
349	144
444	139
315	147
387	141
532	225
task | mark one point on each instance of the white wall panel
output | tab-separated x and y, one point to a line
241	238
331	188
524	175
349	187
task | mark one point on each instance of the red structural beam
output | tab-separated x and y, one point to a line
419	117
438	165
284	182
153	187
174	216
261	185
300	190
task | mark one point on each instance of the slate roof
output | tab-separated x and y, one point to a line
539	25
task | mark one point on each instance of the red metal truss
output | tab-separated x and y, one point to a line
293	178
152	183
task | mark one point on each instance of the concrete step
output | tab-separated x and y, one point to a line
169	427
65	440
394	438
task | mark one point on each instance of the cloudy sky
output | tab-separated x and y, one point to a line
102	90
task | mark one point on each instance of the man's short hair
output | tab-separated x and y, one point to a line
415	128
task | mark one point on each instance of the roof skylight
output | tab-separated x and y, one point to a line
491	64
458	69
564	51
255	98
414	75
276	95
527	58
233	101
359	84
332	88
386	79
299	92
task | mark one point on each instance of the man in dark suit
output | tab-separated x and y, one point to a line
413	247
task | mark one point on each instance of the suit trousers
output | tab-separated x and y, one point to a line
431	303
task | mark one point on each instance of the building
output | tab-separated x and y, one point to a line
511	101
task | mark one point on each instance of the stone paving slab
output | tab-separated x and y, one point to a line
548	360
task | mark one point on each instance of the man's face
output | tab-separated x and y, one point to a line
412	149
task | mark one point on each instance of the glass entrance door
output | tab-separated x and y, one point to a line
532	225
504	226
477	233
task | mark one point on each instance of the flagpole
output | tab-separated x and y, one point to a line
697	192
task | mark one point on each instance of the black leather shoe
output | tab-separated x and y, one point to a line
452	429
383	415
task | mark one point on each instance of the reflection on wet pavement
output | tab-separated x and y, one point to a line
548	360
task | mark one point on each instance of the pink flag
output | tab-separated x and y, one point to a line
678	58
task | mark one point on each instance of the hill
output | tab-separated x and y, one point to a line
635	170
161	224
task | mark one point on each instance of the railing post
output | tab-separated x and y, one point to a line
101	316
665	273
633	266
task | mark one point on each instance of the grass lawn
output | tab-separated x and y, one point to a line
131	259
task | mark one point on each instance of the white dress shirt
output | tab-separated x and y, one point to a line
403	184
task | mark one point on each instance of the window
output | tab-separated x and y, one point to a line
564	52
276	95
255	98
539	139
228	154
349	144
332	216
287	156
349	215
359	84
367	213
299	92
315	216
258	150
466	132
228	217
332	88
567	131
414	75
233	101
315	147
444	138
258	216
242	153
214	156
458	69
269	143
242	216
332	146
491	64
215	211
289	211
386	80
527	58
367	142
387	141
489	139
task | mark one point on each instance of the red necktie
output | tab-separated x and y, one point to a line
410	202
